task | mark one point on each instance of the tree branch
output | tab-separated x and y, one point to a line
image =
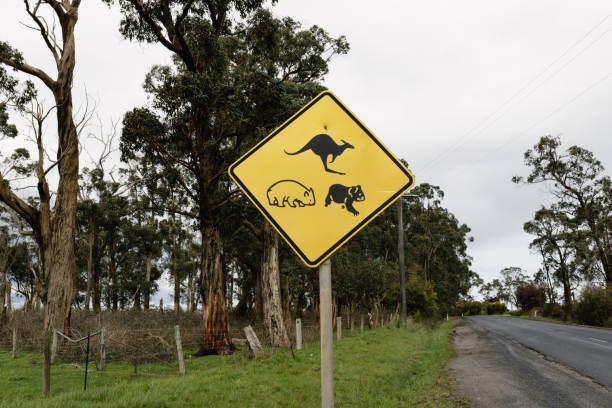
30	214
44	32
30	70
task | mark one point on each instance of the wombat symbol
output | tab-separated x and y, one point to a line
290	192
323	146
345	195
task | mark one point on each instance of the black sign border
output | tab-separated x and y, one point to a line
363	223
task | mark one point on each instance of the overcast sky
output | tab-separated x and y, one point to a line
460	89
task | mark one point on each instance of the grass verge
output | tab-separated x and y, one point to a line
388	367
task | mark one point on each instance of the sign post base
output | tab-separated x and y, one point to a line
327	337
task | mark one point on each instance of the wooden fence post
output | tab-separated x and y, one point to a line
298	334
179	350
54	347
161	304
14	342
102	349
361	326
253	341
352	325
339	327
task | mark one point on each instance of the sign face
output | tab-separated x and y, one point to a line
320	177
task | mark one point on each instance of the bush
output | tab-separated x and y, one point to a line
470	308
421	300
595	308
552	310
530	296
515	313
496	308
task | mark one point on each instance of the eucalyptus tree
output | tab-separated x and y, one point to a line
512	278
582	190
555	239
233	63
437	245
53	233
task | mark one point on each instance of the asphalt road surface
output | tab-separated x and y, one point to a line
510	362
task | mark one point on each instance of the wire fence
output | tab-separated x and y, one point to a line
146	337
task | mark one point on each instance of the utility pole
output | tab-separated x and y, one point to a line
400	248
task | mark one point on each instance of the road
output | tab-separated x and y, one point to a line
509	362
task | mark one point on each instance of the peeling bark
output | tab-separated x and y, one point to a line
270	289
216	337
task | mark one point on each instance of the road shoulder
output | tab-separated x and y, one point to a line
493	371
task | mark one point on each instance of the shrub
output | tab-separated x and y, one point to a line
552	310
496	308
421	300
595	308
515	313
530	296
470	308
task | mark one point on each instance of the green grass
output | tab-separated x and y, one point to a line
388	367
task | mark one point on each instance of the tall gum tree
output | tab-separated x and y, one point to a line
237	71
583	191
54	231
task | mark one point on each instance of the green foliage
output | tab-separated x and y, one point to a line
421	299
470	308
553	310
475	308
573	234
496	308
437	245
595	307
529	297
515	313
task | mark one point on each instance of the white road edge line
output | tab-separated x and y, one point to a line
600	340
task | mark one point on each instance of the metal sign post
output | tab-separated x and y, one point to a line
327	336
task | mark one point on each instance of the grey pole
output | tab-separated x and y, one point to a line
400	248
327	336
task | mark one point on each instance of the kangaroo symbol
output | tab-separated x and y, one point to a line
323	145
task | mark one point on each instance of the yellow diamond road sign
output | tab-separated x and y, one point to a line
320	177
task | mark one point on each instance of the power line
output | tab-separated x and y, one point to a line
481	124
524	132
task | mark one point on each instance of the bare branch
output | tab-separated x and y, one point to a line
43	29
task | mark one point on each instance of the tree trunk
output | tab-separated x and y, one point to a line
96	297
60	265
175	277
190	292
9	305
89	266
285	297
258	307
3	281
270	289
147	288
114	284
216	333
137	305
